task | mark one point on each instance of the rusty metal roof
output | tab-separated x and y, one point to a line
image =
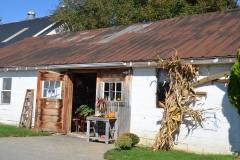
199	36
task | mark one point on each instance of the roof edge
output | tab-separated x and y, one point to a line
193	61
43	30
63	66
149	63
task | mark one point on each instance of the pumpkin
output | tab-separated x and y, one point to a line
111	115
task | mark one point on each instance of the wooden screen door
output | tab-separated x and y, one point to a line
52	102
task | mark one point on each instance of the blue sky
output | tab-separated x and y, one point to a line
16	10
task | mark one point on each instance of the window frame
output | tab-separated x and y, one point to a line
56	96
103	90
160	82
1	83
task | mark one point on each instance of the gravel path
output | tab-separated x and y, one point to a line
60	147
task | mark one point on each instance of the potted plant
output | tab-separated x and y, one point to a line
84	110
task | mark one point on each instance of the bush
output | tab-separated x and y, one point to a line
134	137
233	85
123	142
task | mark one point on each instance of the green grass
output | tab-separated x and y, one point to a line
13	131
143	153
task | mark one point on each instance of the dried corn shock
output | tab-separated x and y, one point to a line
177	100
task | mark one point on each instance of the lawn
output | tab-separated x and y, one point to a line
143	153
13	131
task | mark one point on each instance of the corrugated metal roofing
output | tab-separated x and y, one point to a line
28	27
199	36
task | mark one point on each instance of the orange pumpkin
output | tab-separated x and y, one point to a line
106	116
111	115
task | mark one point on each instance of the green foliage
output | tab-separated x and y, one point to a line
123	142
84	110
83	15
233	89
13	131
144	153
134	137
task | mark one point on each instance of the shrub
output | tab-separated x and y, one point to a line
233	85
123	142
134	137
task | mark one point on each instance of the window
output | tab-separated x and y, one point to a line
113	91
6	90
162	76
51	89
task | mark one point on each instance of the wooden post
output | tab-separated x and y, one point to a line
210	78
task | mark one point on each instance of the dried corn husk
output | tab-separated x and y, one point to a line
177	99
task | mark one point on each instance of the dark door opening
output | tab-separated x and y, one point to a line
84	92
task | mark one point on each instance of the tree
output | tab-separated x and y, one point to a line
91	14
234	83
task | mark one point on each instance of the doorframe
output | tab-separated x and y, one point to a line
70	93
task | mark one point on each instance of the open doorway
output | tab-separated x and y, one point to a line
84	92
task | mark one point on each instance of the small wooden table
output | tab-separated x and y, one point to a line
107	121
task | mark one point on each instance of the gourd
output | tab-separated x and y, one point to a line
111	115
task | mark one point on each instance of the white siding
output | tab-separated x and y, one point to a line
21	80
219	134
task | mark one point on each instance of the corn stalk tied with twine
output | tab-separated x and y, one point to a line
177	100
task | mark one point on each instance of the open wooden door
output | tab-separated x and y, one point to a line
53	102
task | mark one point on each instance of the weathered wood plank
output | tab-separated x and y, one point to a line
69	103
210	78
38	95
47	118
50	103
65	98
49	75
201	93
50	127
52	78
123	120
222	80
50	112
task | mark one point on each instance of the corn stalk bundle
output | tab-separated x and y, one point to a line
177	100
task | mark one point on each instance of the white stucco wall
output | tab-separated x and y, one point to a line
219	134
145	117
21	80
